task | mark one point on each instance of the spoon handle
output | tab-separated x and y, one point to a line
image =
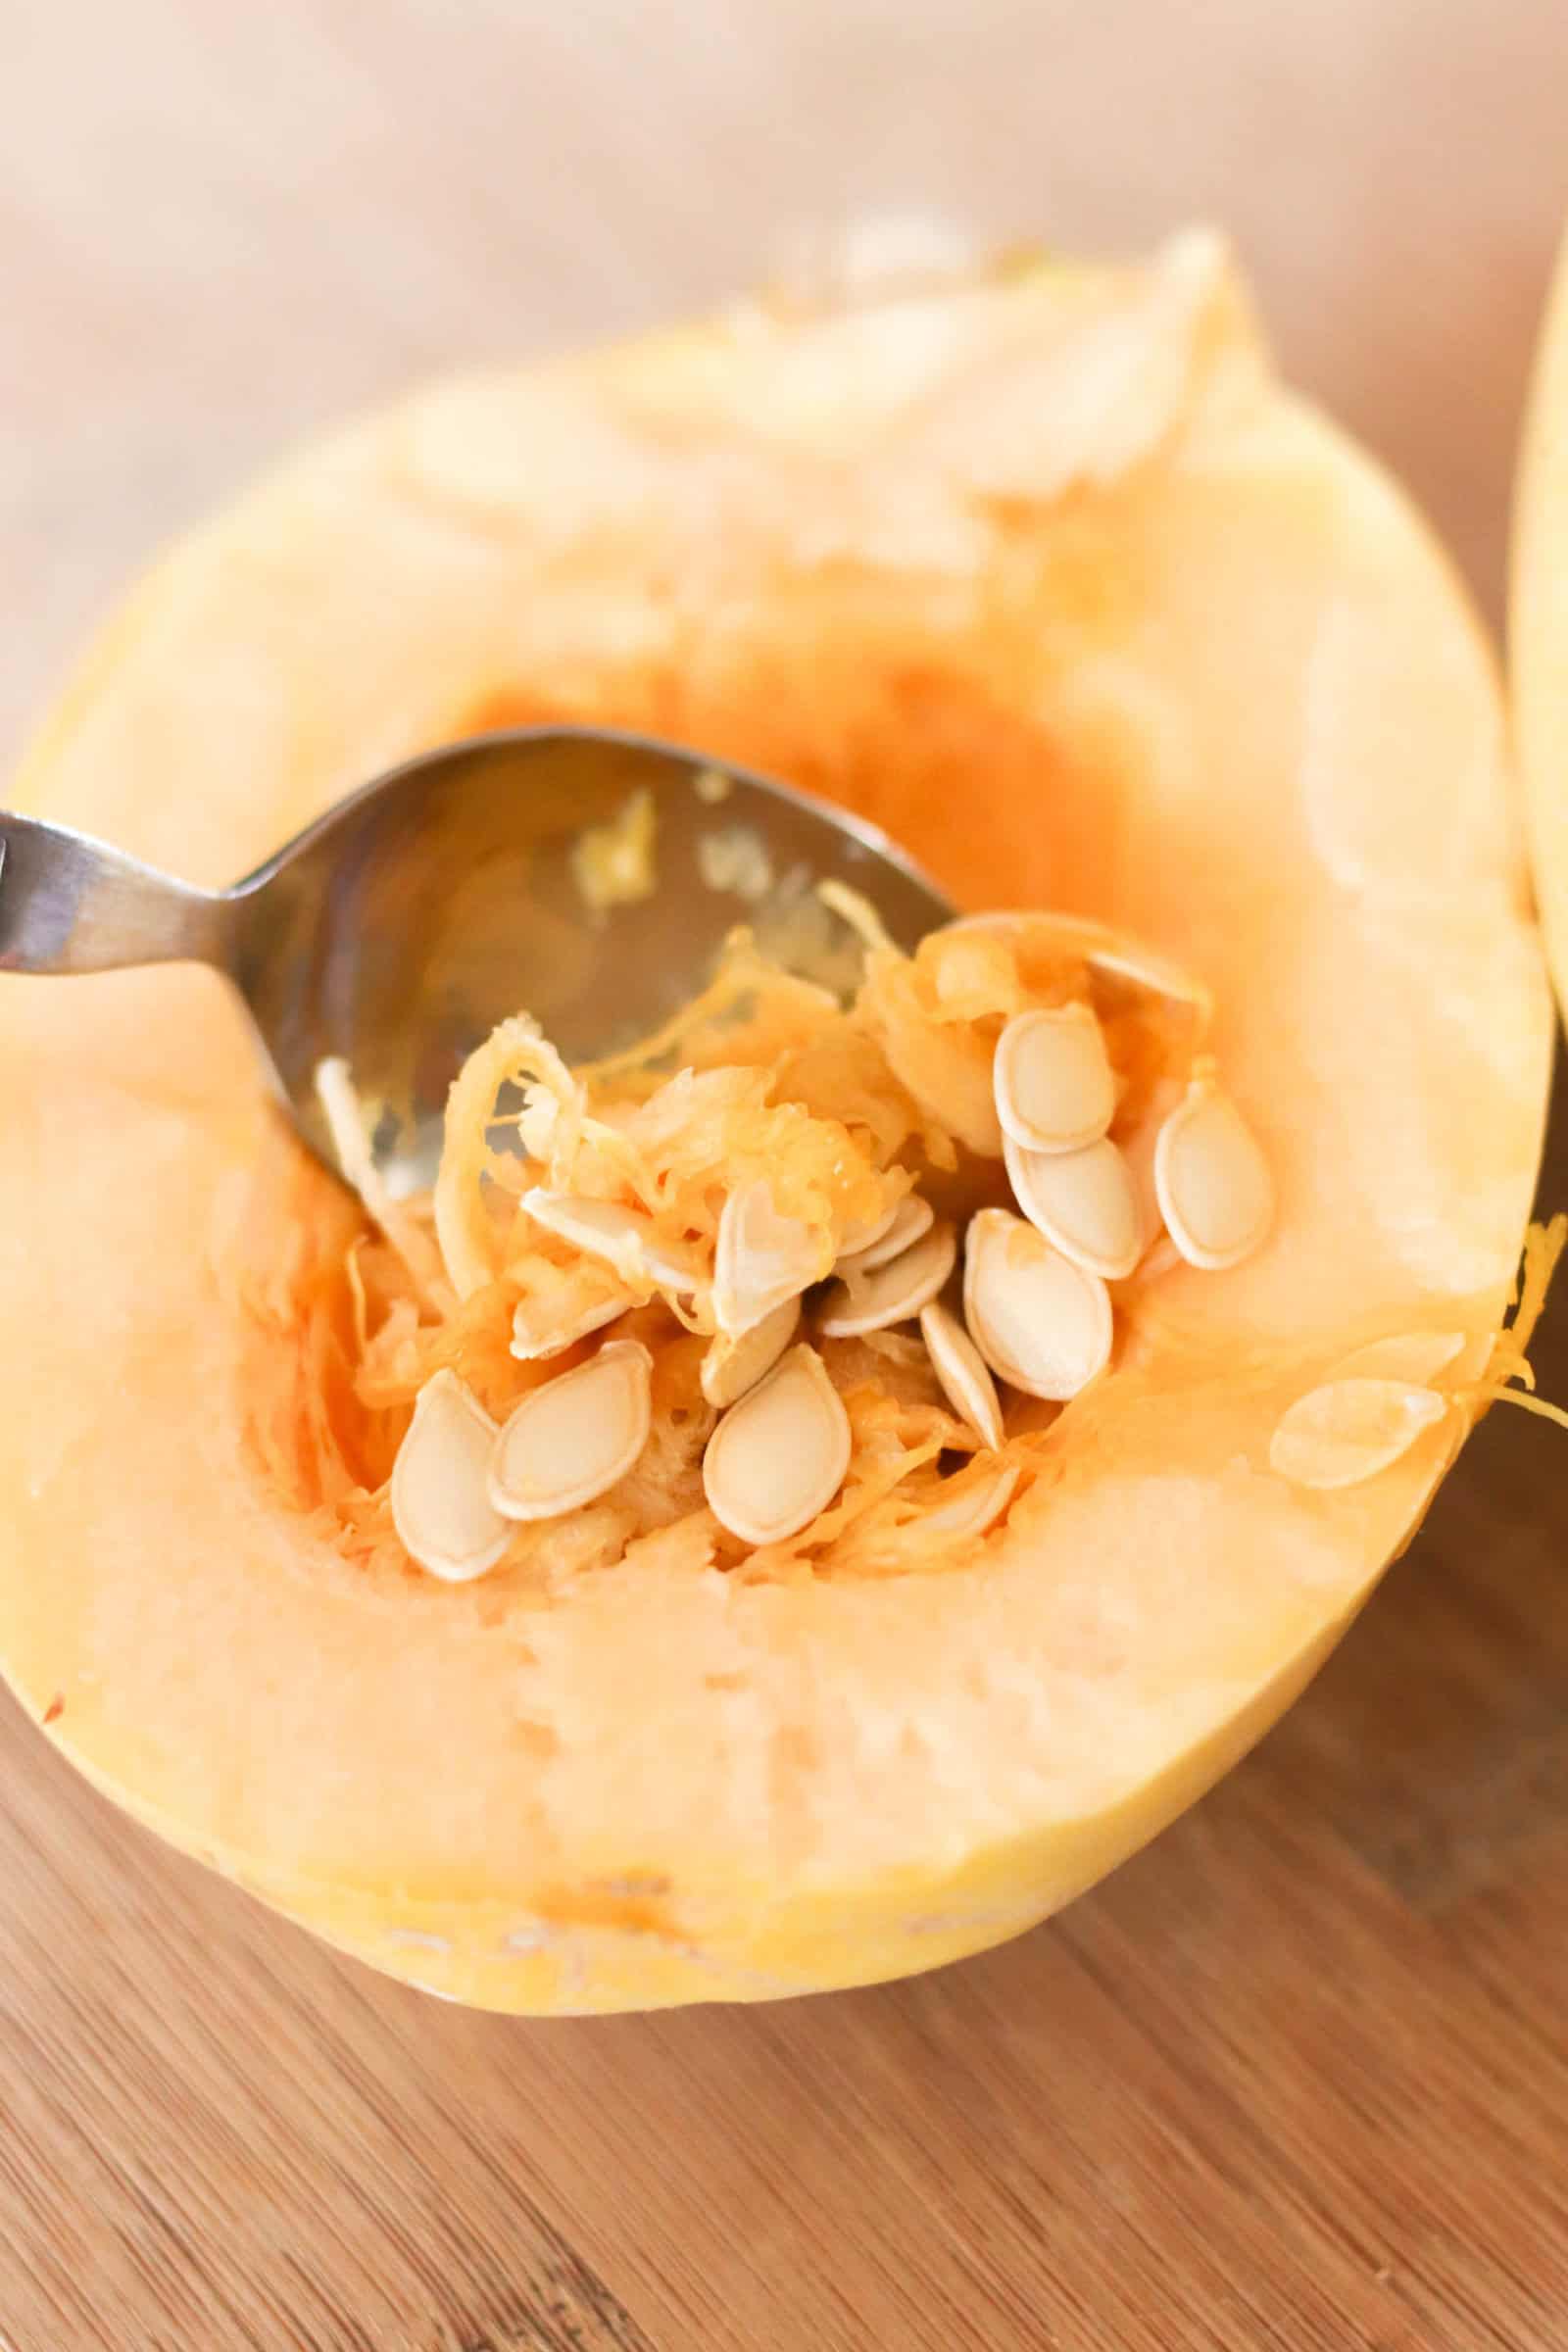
68	904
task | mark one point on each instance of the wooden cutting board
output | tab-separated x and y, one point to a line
1297	2077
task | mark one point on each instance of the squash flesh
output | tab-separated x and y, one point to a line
1206	679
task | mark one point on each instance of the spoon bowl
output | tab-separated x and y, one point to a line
517	871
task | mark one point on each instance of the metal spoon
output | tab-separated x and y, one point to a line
401	926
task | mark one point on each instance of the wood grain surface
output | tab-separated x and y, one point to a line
1297	2077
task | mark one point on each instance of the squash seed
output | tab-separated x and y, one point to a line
1416	1356
1055	1089
1138	1150
868	1232
912	1218
1085	1203
972	1512
571	1440
779	1456
1079	938
622	1236
760	1259
947	1067
961	1369
537	1334
1474	1357
1161	1257
1215	1192
732	1365
441	1510
894	1292
1041	1322
1147	969
1348	1430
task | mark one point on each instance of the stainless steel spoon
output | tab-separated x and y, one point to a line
401	926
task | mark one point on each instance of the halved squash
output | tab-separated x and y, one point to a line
1046	573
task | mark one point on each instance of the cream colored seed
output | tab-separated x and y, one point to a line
1161	1257
622	1236
1104	949
912	1218
731	1366
869	1231
1475	1354
1348	1430
1416	1356
947	1067
961	1369
779	1456
972	1513
1041	1322
537	1334
1085	1203
894	1292
762	1258
441	1509
1055	1089
1144	967
572	1440
1138	1150
1215	1192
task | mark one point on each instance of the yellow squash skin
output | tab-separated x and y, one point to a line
1046	573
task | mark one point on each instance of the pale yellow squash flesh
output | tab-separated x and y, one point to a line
1047	576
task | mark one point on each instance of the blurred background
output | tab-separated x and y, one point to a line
1295	2078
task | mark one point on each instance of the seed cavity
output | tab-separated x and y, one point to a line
778	1458
572	1440
1055	1089
1047	1045
1085	1203
1042	1323
762	1258
1214	1184
963	1371
441	1509
894	1292
731	1366
1348	1430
